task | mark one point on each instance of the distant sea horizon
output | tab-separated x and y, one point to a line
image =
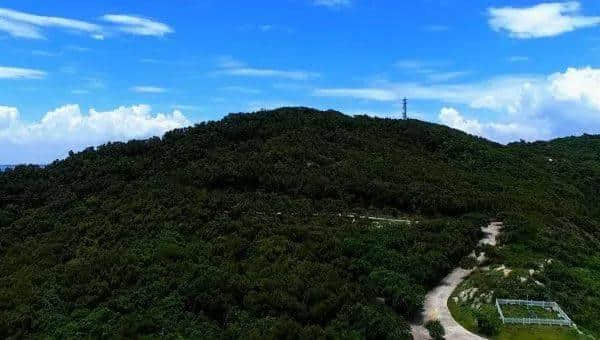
6	166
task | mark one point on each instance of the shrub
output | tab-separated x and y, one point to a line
468	262
436	330
488	322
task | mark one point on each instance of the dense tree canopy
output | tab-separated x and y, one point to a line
243	228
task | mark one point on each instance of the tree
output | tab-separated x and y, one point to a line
403	295
436	330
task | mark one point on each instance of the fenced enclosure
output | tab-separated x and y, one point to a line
537	313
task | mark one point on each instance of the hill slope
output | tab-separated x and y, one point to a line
239	228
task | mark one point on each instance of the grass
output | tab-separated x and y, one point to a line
518	311
463	316
537	333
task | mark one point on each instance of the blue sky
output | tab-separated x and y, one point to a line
79	73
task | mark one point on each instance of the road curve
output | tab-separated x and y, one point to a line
436	301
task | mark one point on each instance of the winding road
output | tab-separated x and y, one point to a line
436	301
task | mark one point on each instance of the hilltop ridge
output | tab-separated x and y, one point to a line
238	228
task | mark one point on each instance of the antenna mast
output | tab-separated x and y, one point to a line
404	108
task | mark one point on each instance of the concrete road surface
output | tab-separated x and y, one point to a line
436	301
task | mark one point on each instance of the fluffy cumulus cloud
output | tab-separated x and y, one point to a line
68	128
451	117
543	20
528	107
8	116
504	132
562	103
578	85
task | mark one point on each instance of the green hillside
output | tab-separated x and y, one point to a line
241	228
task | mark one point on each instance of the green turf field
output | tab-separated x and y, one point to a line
533	312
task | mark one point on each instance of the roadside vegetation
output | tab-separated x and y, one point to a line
240	229
436	330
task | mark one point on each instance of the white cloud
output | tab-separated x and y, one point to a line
430	70
79	49
229	62
47	21
409	64
451	117
518	59
577	85
258	72
528	107
187	107
148	89
503	132
44	53
67	128
20	73
232	67
417	66
25	25
138	25
543	20
30	26
333	3
153	61
266	27
68	69
436	28
384	95
241	89
20	30
94	83
440	77
8	116
493	94
8	113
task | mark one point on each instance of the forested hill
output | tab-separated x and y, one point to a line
239	228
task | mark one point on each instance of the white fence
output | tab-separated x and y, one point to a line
562	320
